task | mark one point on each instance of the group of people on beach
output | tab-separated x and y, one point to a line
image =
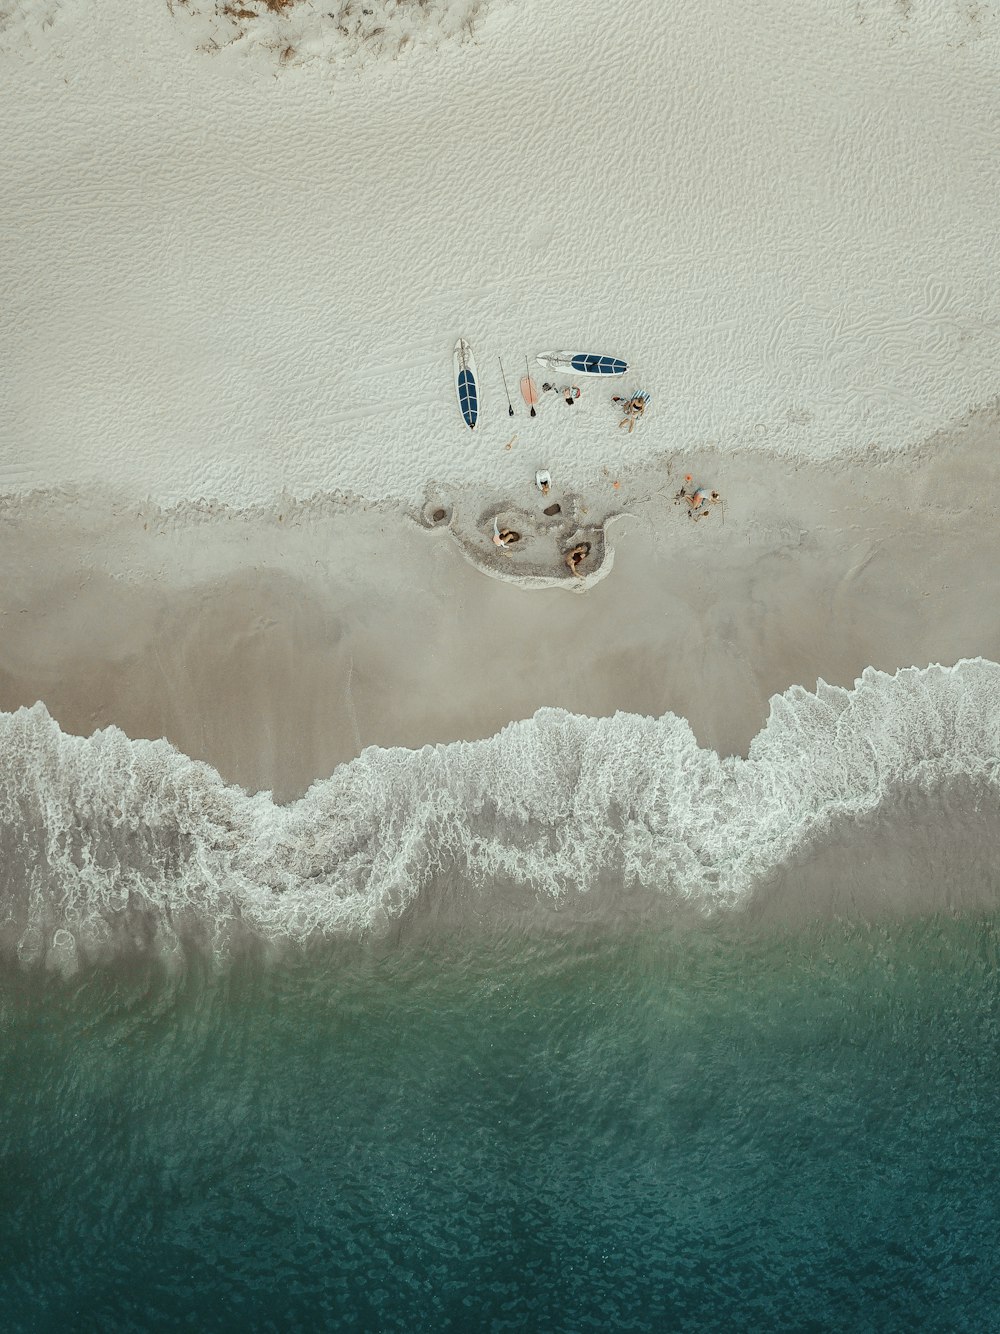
503	538
698	499
695	495
632	408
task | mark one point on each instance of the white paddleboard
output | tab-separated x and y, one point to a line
583	363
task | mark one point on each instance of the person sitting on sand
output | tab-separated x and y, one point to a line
633	408
576	557
504	537
543	481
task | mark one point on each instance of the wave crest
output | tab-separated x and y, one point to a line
110	844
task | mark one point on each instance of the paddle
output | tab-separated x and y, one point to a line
528	391
510	405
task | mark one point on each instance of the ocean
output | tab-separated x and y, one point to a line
581	1027
642	1130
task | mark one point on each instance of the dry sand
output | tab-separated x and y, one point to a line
275	645
226	273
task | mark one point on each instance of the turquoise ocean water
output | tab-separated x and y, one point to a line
649	1130
578	1028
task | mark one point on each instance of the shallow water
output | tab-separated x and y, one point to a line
876	801
646	1130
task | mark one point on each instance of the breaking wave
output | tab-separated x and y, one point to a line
881	797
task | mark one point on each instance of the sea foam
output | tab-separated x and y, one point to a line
880	796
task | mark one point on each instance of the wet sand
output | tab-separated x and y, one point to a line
278	644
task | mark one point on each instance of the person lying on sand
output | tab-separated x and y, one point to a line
576	557
703	512
570	392
697	498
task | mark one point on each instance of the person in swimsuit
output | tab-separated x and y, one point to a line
697	498
504	537
575	557
633	408
570	392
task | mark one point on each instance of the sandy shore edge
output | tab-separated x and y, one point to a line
277	643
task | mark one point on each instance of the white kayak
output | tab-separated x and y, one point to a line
466	383
582	363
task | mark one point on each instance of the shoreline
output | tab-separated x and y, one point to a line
873	803
277	647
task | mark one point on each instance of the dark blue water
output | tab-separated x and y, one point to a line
657	1131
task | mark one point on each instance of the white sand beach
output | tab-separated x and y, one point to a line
229	272
533	877
239	507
